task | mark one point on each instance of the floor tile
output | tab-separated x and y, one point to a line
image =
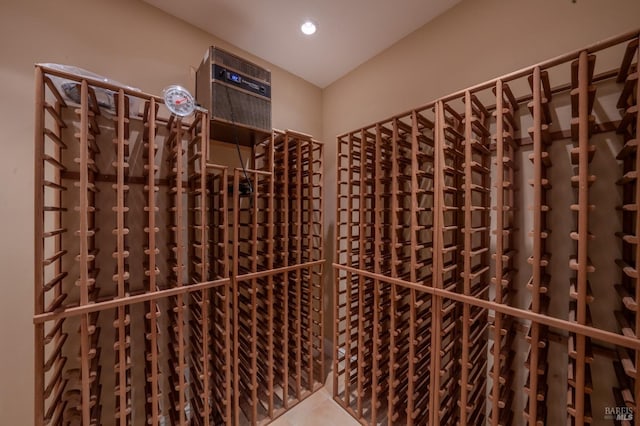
317	410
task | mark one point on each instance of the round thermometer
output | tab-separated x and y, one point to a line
179	100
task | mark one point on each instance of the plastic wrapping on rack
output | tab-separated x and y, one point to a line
70	89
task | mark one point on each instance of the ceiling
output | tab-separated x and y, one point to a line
349	31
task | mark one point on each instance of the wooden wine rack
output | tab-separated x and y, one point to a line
148	254
448	279
278	268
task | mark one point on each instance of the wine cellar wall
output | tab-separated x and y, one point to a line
169	289
487	251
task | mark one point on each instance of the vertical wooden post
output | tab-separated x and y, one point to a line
438	245
583	227
336	273
468	181
84	250
379	223
206	295
254	299
413	276
319	172
537	249
394	262
285	279
349	280
495	391
298	225
362	246
637	263
120	259
153	306
180	265
235	289
308	224
38	308
270	152
231	357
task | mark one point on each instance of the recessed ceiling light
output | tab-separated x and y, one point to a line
308	28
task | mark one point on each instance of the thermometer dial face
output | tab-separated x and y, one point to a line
179	101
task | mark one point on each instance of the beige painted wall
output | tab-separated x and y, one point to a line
125	40
473	42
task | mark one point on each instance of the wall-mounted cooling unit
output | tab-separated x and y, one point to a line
237	94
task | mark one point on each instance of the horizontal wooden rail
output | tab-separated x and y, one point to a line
131	300
595	333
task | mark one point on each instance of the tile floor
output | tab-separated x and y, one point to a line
317	410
